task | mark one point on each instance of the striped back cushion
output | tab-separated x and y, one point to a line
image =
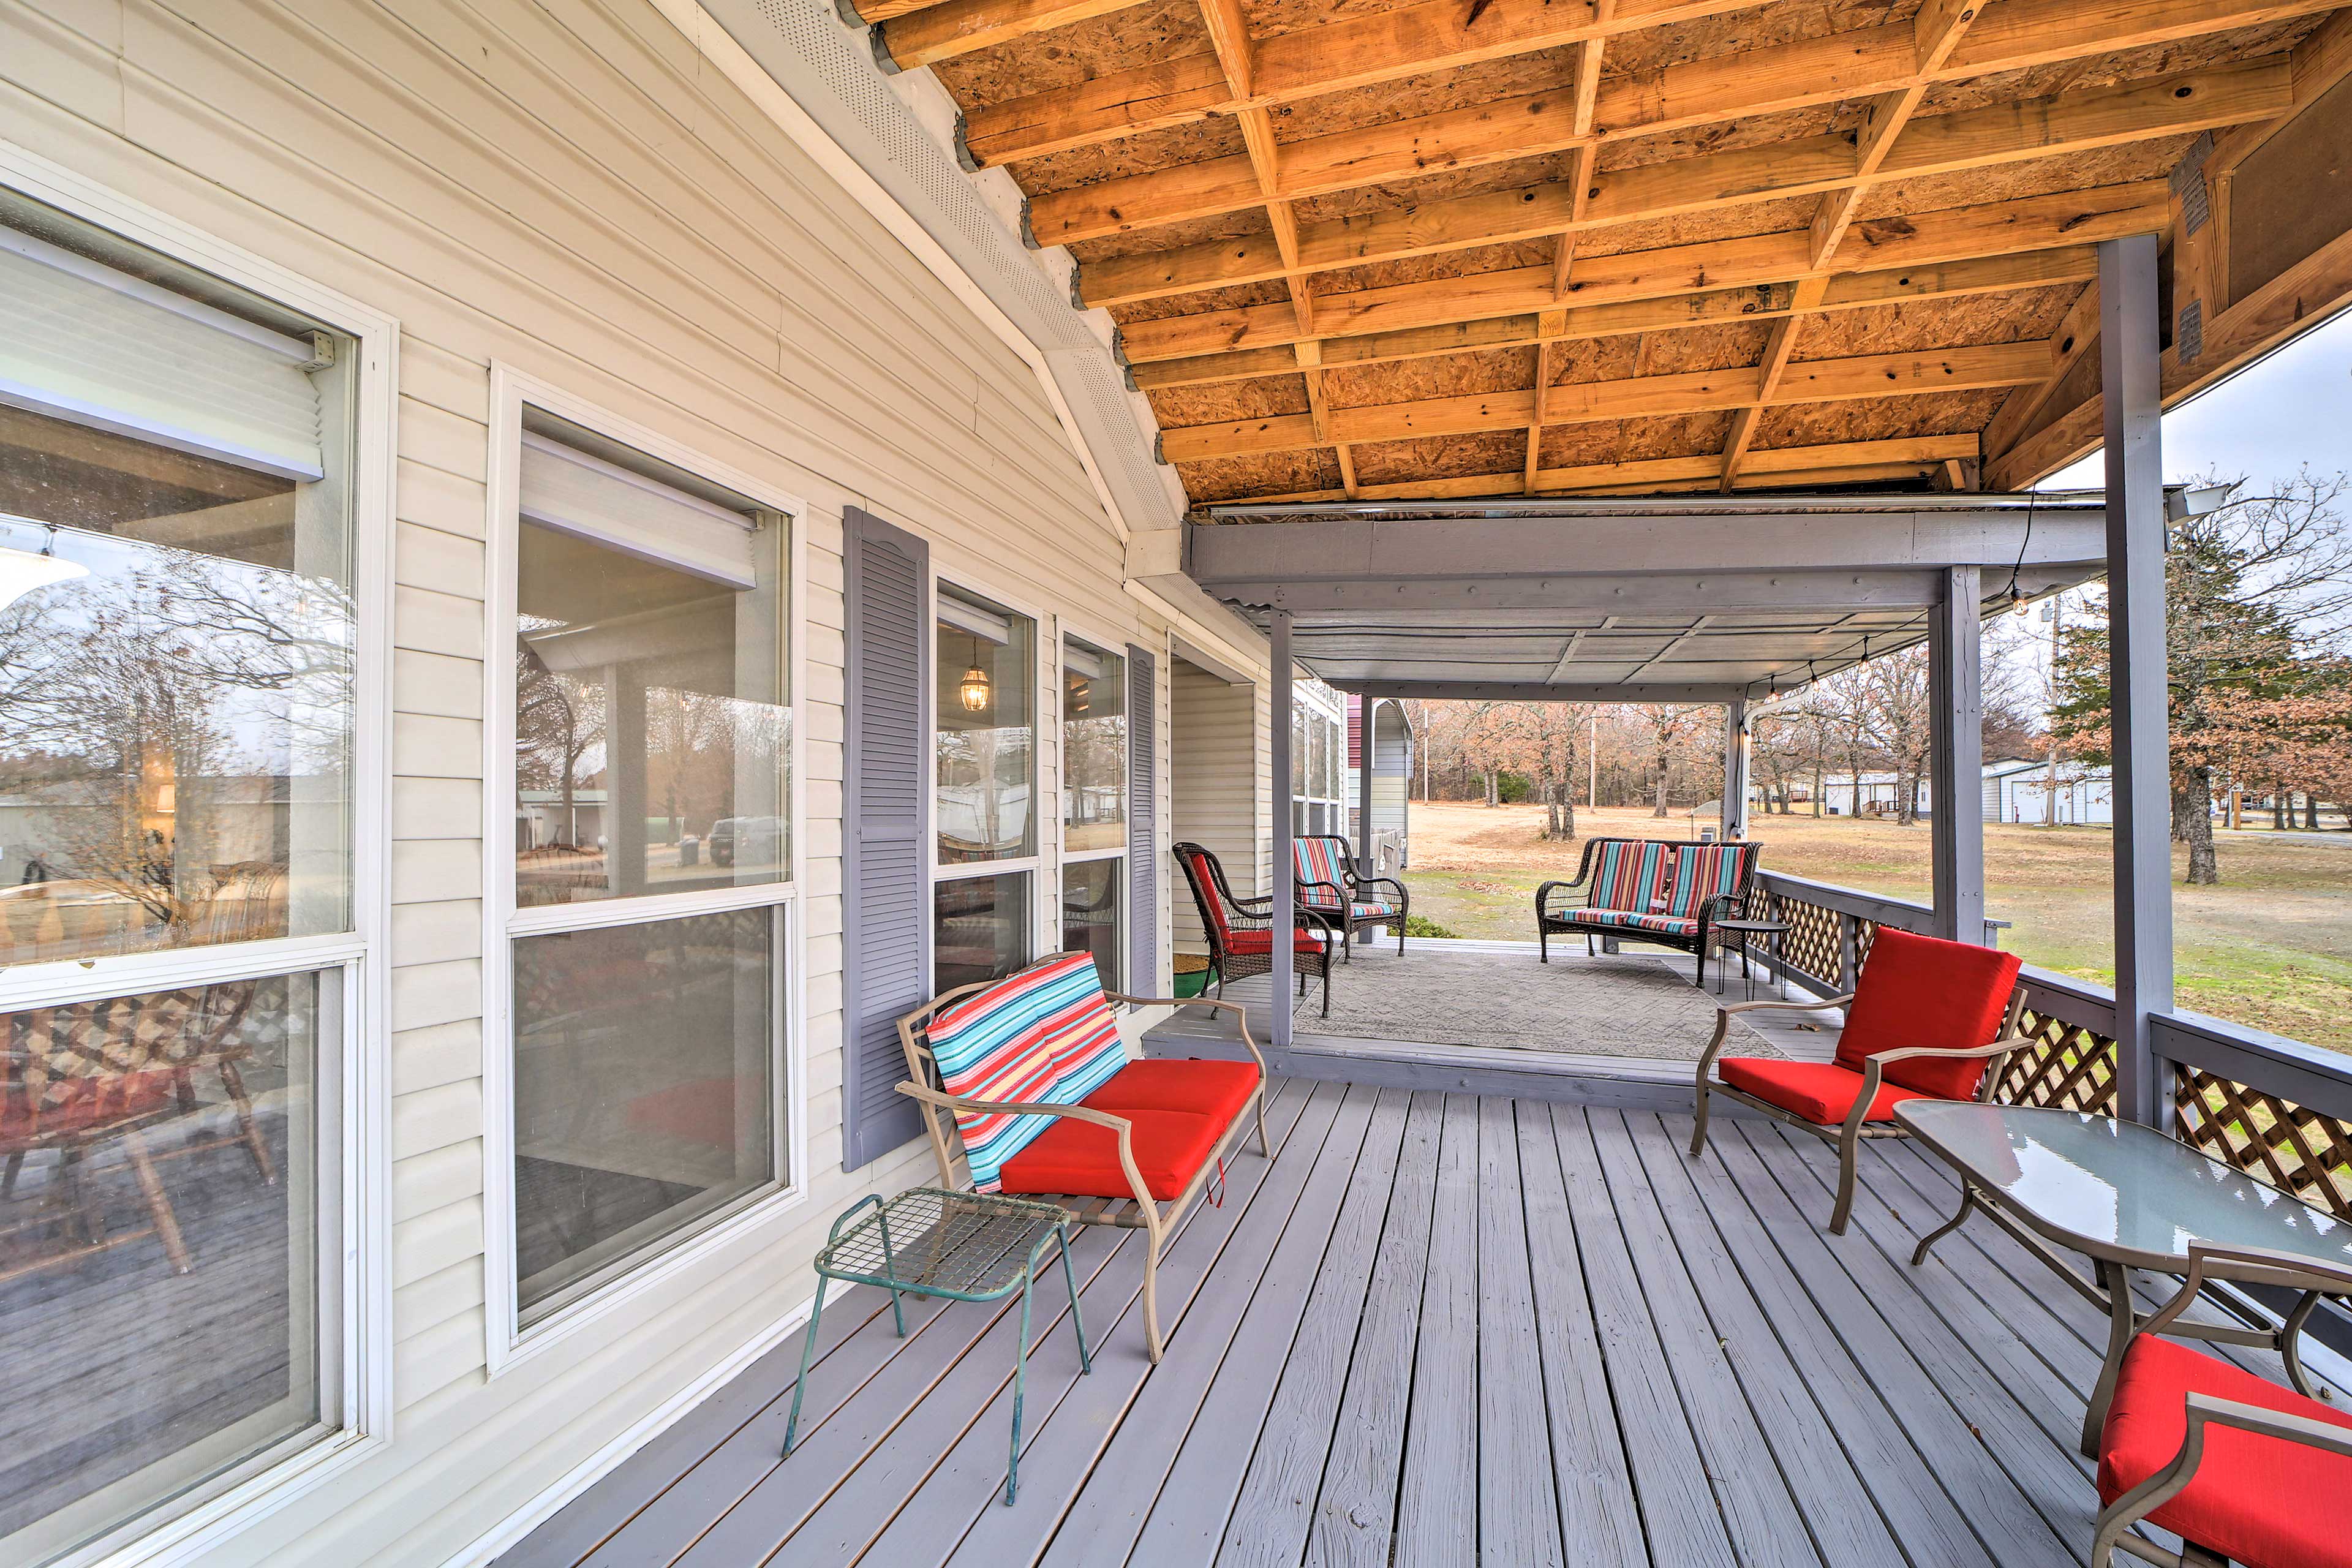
1044	1033
1315	857
1625	873
1704	871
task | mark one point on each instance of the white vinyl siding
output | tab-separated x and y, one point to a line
571	190
1218	795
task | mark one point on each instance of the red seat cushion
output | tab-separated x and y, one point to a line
1078	1158
1263	941
2258	1500
1217	1090
1924	991
1818	1091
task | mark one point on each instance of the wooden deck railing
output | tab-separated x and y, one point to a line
2277	1109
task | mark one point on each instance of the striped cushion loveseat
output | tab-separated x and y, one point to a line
1648	889
1026	1084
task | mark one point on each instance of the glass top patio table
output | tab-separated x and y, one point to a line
2118	1191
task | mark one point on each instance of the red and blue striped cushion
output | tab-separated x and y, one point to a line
1637	920
1045	1033
1315	857
1626	873
1704	872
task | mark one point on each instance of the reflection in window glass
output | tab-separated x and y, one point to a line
986	759
643	1088
651	731
979	929
175	698
161	1299
1094	748
1090	913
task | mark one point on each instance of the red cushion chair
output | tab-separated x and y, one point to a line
1027	1082
1928	1018
2232	1463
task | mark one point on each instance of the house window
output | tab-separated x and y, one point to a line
984	785
1319	751
1094	803
652	858
179	681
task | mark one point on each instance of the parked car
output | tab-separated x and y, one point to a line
755	838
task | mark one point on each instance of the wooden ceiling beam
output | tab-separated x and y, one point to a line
2009	35
1957	252
1937	30
1648	396
2035	128
936	33
1910	456
1775	364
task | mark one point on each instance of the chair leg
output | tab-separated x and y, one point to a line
1543	942
1265	1149
8	1182
1698	1132
234	1081
1151	1295
1327	985
158	1202
1847	1159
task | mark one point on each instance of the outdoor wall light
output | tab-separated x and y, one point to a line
974	690
23	571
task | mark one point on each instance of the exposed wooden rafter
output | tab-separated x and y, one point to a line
1635	397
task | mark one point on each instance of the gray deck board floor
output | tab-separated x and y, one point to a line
1434	1329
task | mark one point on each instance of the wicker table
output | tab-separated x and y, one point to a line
965	1246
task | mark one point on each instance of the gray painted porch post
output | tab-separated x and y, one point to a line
1284	917
1735	769
2131	381
1955	771
1368	707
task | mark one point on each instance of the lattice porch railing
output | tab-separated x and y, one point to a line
2271	1139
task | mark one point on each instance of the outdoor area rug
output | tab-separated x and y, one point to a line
1625	1006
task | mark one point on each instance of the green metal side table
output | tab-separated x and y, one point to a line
965	1246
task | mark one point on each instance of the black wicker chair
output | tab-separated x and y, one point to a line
1241	930
1329	888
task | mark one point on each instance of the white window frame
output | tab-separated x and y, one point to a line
1068	629
957	574
509	1343
354	1100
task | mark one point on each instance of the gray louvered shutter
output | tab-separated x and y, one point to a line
886	819
1142	822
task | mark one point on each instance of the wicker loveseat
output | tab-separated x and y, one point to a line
1648	889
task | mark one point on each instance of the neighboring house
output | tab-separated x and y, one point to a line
1392	766
2024	792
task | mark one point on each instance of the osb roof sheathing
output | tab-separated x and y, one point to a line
1417	163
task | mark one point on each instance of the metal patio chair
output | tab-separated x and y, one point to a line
1928	1017
2240	1468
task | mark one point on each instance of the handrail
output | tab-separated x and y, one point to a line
2315	1079
1902	914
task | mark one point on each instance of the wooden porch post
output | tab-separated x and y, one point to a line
1735	769
1956	769
2133	395
1366	707
1279	634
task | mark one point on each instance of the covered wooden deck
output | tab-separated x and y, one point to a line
1434	1329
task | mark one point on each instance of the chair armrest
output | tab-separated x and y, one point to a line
1874	1069
2255	1265
1118	1124
1544	892
1337	891
1402	892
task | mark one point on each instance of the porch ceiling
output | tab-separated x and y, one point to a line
1665	600
1556	247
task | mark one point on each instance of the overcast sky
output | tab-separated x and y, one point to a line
2280	414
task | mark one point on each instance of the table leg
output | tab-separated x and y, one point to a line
1968	1206
2115	1281
2290	1343
1019	1387
890	1270
808	1349
1077	1323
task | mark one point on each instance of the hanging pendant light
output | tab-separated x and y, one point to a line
974	690
23	572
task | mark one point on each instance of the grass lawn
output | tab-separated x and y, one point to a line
2272	946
